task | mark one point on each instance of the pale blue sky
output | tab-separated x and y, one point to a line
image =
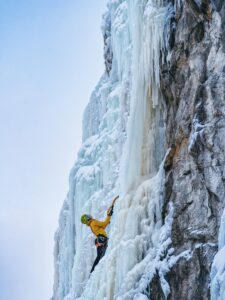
50	60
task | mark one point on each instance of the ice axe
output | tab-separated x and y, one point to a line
110	210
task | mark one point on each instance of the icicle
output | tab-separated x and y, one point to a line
144	148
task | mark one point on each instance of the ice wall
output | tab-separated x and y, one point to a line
218	266
122	153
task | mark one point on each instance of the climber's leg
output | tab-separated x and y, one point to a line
100	253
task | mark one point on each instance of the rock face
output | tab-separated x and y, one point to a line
193	83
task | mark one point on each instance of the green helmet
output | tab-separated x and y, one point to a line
85	219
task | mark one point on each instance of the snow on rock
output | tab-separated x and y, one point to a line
122	153
192	82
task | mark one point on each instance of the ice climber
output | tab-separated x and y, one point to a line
98	228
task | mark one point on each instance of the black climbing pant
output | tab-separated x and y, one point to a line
101	243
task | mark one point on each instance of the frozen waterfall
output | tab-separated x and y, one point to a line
218	266
122	153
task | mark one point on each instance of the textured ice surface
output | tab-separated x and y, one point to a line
218	266
122	153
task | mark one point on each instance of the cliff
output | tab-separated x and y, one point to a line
193	84
153	132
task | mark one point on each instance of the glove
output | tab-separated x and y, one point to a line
110	211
